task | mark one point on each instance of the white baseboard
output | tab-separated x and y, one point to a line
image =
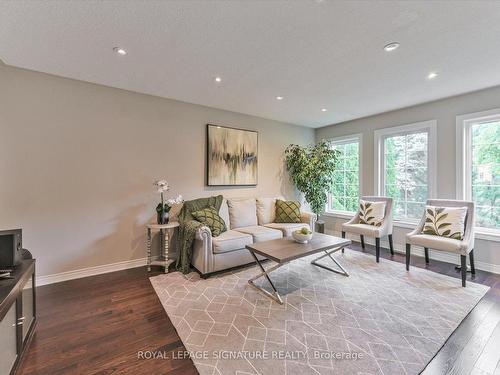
398	247
90	271
419	251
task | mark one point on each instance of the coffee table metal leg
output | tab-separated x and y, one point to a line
275	295
329	254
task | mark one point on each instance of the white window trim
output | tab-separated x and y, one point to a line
341	140
379	136
463	159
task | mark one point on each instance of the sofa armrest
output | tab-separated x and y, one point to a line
202	257
309	218
204	234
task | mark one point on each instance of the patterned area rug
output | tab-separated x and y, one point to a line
379	320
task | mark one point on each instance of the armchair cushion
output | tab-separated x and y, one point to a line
260	233
436	242
371	213
287	228
231	240
362	229
209	217
445	221
287	211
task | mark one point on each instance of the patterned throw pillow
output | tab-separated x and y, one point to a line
210	217
287	211
445	221
371	213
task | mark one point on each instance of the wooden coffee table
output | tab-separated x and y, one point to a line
285	250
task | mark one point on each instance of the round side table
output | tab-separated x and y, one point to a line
164	243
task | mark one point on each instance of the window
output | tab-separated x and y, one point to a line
478	174
345	194
404	167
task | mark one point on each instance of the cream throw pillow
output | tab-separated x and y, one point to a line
266	210
371	213
242	212
445	221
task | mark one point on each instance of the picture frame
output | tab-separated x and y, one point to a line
232	156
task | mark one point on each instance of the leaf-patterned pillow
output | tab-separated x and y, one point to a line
371	213
445	221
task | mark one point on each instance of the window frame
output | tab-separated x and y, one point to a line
344	140
429	126
464	159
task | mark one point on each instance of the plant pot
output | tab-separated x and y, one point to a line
162	217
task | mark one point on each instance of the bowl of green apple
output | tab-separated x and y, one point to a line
302	235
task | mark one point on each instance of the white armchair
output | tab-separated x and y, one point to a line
463	247
353	226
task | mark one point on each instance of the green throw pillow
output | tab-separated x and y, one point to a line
287	211
210	217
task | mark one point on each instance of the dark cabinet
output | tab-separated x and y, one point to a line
17	315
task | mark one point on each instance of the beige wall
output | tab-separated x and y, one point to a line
445	112
78	160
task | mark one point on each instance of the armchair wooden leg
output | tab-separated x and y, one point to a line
471	258
343	236
408	249
426	250
463	260
377	249
362	241
391	244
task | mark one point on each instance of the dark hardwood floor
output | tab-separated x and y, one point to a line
99	324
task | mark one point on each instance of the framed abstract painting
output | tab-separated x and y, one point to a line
231	156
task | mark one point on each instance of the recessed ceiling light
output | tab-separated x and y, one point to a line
432	75
120	51
279	98
391	46
218	79
323	109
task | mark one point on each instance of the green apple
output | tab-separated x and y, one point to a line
305	231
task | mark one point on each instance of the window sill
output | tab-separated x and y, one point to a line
487	234
480	233
350	215
339	214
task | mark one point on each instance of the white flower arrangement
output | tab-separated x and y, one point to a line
162	186
176	200
163	208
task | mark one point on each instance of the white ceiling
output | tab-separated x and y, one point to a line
317	54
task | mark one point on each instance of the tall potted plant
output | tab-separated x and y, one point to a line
312	171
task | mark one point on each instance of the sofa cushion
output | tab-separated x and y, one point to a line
266	210
287	211
242	212
224	212
230	240
287	228
210	217
260	233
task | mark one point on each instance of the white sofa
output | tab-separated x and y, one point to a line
248	220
